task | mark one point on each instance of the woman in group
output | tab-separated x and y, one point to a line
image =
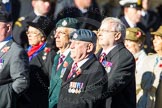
41	60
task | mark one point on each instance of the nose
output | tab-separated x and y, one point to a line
56	35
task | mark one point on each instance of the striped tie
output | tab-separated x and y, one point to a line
61	59
102	57
73	70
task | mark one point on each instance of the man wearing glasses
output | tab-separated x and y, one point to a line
119	64
64	26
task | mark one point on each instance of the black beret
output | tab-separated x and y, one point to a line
5	16
68	22
44	24
84	35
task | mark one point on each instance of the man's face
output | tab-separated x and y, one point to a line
62	37
83	3
42	7
157	42
132	46
106	35
4	30
79	50
133	14
34	36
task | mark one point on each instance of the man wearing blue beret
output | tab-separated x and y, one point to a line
85	80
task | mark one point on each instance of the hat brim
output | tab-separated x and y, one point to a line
35	25
156	33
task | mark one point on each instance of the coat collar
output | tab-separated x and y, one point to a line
83	67
112	52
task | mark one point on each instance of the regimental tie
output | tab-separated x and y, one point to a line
61	59
102	57
73	70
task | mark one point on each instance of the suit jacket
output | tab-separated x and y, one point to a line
37	92
91	81
56	80
14	71
121	78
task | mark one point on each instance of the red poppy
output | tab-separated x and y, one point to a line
65	64
160	65
47	50
138	34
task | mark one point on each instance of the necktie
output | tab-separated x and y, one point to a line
73	70
61	59
102	57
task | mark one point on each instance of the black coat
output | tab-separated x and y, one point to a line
94	79
37	94
121	78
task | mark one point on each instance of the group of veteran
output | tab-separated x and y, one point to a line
81	79
75	77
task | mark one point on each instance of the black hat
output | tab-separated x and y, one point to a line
68	22
131	3
5	16
84	35
44	24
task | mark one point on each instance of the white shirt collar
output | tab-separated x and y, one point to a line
80	63
129	22
65	53
108	50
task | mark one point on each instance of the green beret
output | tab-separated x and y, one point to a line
84	35
68	22
158	32
135	34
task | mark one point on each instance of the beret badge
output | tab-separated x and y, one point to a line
64	23
75	36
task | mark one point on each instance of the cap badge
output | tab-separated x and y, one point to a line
75	35
64	23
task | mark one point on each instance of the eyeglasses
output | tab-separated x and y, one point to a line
102	30
33	33
59	32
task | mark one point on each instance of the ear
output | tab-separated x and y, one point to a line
43	38
33	3
117	36
90	47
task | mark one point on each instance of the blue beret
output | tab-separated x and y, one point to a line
84	35
68	22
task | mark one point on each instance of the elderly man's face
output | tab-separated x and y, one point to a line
5	29
157	42
106	34
34	36
133	14
80	50
62	37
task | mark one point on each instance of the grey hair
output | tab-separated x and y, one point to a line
118	26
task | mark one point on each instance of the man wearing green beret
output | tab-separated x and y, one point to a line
85	80
62	59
